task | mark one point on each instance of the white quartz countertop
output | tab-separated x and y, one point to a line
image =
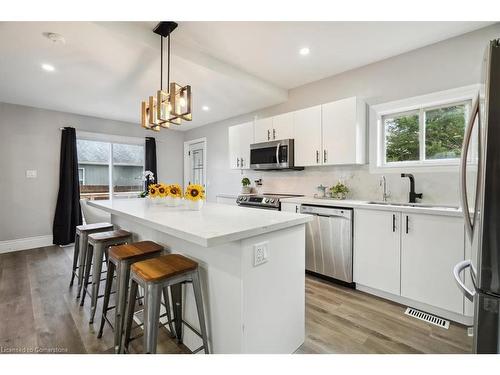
214	224
418	208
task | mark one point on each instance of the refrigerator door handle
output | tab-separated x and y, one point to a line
457	270
463	167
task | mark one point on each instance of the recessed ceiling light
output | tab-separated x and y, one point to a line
54	37
206	108
304	51
48	67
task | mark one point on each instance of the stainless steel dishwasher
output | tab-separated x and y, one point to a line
329	242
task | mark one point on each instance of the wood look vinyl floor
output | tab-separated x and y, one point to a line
39	313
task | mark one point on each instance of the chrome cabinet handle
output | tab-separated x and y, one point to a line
394	222
457	270
237	162
407	224
268	134
463	165
242	164
274	133
317	157
324	156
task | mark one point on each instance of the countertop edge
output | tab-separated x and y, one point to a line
202	241
371	206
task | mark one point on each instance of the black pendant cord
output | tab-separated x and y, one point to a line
161	63
168	62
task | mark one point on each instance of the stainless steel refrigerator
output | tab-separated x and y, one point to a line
480	196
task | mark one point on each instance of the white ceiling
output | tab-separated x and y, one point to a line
106	68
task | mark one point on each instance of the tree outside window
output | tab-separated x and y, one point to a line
425	134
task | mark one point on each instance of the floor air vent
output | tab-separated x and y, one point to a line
428	318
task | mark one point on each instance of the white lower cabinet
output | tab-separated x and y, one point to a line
411	256
376	249
290	207
431	246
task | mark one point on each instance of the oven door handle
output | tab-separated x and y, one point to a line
278	153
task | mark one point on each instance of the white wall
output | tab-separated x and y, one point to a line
30	139
452	63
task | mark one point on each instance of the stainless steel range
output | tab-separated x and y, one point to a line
265	201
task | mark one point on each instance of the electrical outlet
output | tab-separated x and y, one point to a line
260	253
31	173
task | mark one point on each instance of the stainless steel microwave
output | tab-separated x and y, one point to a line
272	155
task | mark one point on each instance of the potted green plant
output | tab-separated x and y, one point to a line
339	191
246	188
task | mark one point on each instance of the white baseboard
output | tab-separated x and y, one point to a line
25	243
450	315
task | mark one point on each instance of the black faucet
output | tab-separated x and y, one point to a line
413	195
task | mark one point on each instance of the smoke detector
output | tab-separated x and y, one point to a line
55	37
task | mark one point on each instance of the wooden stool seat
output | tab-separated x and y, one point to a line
93	227
163	267
133	250
106	236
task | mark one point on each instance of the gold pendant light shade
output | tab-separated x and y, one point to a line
167	107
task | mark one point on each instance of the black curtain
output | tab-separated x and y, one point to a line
68	214
150	159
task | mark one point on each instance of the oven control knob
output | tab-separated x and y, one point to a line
266	200
244	198
272	200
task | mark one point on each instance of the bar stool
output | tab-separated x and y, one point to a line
120	258
97	251
157	275
81	243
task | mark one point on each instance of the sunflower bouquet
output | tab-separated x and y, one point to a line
174	195
195	195
156	191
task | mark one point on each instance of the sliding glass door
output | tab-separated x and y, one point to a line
109	169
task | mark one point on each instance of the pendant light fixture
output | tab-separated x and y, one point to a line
167	107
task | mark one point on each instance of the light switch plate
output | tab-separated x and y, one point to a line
260	253
31	173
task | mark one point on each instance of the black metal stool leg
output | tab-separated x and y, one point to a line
176	290
107	293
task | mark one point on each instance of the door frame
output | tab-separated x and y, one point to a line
186	160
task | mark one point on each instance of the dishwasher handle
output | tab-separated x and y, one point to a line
327	211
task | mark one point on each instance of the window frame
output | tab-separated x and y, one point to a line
83	175
112	139
420	104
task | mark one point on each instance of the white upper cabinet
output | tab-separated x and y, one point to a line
282	126
240	137
274	128
307	135
264	130
431	246
344	132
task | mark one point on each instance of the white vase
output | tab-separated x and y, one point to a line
169	201
246	189
194	205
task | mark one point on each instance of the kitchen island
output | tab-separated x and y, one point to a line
252	305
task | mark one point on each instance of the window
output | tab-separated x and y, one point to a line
100	163
426	134
420	133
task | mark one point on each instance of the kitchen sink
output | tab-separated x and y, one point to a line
423	205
